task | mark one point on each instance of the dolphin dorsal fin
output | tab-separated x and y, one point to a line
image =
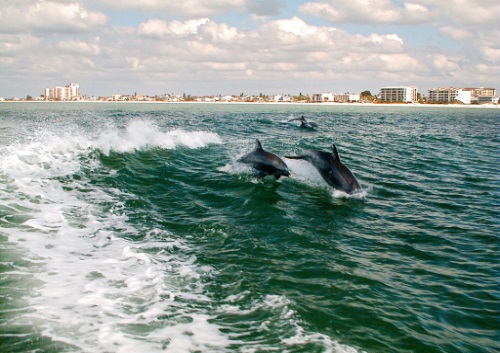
336	153
258	146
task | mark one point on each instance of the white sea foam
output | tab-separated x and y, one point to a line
144	134
94	290
304	172
283	318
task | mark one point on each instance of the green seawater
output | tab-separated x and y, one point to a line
133	228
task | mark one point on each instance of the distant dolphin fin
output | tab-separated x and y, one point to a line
258	146
293	119
336	153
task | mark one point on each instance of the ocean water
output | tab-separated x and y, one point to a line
132	228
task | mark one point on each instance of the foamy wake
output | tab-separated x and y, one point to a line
143	134
91	288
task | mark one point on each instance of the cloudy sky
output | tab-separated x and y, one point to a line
202	47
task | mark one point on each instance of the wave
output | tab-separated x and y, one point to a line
93	288
96	281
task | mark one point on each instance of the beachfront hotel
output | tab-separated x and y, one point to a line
449	95
483	95
407	94
66	93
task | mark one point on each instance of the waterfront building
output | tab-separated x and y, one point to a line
347	97
482	92
449	95
323	97
483	95
66	93
487	100
405	94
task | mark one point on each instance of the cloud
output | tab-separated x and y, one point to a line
368	12
160	28
184	8
189	46
475	13
457	33
196	8
444	64
11	46
49	16
79	47
264	7
287	46
452	13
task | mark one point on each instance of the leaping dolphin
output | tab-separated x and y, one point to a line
266	163
333	171
304	123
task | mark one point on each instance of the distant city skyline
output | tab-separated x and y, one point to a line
250	46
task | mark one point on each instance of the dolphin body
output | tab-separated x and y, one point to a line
332	170
266	163
304	123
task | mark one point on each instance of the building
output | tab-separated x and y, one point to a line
487	100
449	95
323	97
404	94
482	92
66	93
483	95
347	97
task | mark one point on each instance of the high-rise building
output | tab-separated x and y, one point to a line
66	93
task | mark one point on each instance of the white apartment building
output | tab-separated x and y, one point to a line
69	92
406	94
323	97
347	97
449	95
483	95
482	91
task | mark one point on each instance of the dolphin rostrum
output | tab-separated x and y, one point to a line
333	171
266	163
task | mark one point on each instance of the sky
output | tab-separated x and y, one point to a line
201	47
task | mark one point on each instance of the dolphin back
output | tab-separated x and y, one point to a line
266	163
331	169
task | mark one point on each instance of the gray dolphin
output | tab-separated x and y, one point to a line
304	123
333	171
266	163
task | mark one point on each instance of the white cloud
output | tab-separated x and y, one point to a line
469	12
457	33
184	8
491	54
368	11
444	64
296	26
184	46
160	28
16	45
49	16
79	47
286	46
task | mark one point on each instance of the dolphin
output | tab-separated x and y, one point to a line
266	163
304	123
332	170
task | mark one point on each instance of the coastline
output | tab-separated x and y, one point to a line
326	104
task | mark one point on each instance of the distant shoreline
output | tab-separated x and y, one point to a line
332	104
